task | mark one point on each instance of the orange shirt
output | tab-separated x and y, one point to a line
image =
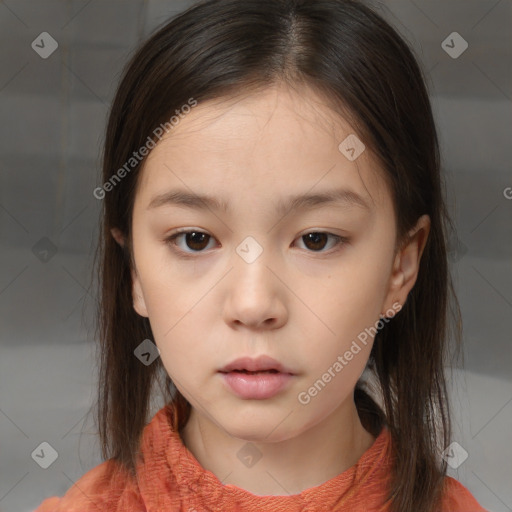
171	480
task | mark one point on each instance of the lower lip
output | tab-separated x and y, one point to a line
256	386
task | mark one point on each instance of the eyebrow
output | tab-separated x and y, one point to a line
184	198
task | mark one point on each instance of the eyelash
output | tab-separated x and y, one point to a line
340	241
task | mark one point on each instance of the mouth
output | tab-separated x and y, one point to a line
256	384
247	372
253	366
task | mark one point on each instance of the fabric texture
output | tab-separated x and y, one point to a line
170	479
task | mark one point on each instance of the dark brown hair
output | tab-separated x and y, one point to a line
362	67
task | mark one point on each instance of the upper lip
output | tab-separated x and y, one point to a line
260	363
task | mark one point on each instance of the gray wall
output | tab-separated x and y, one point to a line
53	115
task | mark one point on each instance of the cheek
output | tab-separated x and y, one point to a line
176	317
175	306
180	325
350	299
343	320
168	296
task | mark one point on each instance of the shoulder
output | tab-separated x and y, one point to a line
106	487
456	498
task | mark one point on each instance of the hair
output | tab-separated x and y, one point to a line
348	53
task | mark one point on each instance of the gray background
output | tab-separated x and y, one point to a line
53	115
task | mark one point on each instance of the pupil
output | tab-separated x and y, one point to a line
317	239
195	233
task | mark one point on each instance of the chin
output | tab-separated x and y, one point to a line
260	428
257	434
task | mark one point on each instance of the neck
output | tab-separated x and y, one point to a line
298	462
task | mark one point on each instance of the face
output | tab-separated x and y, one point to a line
300	284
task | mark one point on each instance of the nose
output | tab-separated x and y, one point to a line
255	295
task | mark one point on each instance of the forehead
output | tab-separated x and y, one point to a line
278	137
228	120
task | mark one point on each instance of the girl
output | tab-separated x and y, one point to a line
274	249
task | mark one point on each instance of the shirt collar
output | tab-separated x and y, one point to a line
170	475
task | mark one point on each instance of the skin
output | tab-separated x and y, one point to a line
300	303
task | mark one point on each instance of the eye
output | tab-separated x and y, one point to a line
197	241
316	240
194	239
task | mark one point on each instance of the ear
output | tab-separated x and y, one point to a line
118	236
406	264
139	304
138	298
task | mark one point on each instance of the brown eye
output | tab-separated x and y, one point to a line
317	240
196	241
